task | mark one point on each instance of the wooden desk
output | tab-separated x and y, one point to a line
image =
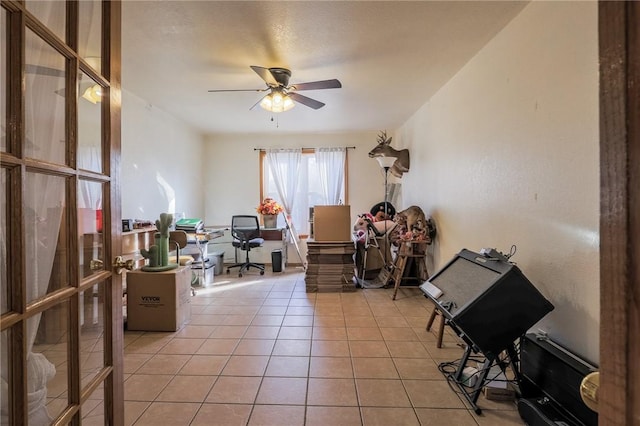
273	234
197	243
206	235
136	240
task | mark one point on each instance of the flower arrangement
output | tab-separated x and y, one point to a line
269	206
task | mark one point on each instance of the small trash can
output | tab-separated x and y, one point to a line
276	260
218	261
203	278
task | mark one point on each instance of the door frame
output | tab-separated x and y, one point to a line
619	51
114	401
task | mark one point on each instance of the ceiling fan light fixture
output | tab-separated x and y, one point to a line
276	102
93	94
287	103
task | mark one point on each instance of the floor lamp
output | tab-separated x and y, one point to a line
386	163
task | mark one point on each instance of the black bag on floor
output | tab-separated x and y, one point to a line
543	412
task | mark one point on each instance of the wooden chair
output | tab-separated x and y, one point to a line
179	240
440	331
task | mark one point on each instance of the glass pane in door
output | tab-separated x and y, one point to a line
4	232
44	101
92	411
51	14
3	80
46	234
90	227
90	31
47	363
4	370
89	124
91	332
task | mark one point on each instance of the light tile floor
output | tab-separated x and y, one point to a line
260	350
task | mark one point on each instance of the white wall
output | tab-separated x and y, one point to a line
507	153
233	180
161	163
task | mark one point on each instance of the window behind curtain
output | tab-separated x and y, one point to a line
309	192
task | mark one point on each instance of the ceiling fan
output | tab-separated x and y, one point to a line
281	95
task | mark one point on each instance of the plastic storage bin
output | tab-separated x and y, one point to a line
218	261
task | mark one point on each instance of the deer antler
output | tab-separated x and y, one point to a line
382	138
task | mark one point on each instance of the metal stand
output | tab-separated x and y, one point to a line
386	207
491	359
294	237
371	240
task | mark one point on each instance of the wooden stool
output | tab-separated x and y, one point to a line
440	326
405	253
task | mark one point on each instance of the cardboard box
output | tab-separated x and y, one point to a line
499	394
332	223
158	301
496	376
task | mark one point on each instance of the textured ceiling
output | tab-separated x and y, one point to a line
391	57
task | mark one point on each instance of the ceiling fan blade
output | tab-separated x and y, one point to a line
315	85
311	103
42	70
266	75
258	103
237	90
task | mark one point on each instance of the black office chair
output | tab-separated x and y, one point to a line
245	231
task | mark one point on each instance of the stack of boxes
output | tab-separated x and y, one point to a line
330	266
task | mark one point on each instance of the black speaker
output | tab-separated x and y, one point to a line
487	300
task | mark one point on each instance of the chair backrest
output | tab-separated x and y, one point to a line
244	227
179	237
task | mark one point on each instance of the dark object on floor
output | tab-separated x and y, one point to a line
276	260
551	378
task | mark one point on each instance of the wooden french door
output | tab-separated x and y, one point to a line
60	301
619	45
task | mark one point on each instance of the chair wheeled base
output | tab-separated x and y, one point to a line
244	266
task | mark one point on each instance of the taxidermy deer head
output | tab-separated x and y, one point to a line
401	165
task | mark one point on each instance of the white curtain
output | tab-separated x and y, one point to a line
44	198
285	165
89	194
330	163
